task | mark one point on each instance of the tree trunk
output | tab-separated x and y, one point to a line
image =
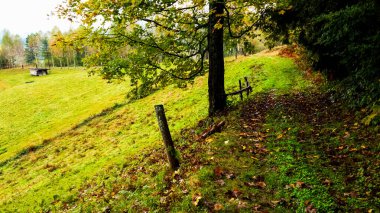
236	50
216	93
36	60
67	60
74	58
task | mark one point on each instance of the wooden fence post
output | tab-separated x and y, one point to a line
169	146
241	93
247	85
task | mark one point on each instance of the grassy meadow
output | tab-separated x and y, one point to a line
34	109
71	142
289	147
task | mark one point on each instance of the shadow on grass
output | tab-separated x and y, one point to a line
45	142
322	156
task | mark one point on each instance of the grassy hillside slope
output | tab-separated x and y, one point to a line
109	147
33	109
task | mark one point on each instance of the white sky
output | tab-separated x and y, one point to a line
23	17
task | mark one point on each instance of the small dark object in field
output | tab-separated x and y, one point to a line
29	82
38	71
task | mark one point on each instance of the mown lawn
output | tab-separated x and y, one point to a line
114	160
33	109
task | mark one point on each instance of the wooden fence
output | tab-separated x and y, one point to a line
247	89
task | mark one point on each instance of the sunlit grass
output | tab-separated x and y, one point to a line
37	108
115	139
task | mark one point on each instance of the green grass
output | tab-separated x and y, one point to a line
107	160
34	109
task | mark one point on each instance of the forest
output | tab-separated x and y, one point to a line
51	49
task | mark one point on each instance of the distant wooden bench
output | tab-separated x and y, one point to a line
38	71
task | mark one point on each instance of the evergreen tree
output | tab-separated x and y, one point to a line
45	54
32	48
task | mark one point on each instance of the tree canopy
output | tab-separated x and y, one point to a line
157	42
160	42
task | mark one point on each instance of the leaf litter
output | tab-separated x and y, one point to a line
239	168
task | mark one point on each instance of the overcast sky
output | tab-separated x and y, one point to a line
23	17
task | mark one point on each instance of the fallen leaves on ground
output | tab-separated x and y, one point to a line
196	198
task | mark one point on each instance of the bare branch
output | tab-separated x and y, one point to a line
193	75
163	26
177	9
156	46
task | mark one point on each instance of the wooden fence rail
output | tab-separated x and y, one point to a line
248	89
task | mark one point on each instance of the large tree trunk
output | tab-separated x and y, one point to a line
216	93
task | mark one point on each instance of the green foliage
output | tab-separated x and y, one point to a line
342	39
358	90
373	117
157	43
29	55
44	52
246	45
32	48
3	61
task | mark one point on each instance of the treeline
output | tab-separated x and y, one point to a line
52	49
68	49
11	50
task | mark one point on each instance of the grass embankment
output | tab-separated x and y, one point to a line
291	148
37	108
296	152
288	148
51	174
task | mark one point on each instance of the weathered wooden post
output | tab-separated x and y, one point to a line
247	85
163	124
241	93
